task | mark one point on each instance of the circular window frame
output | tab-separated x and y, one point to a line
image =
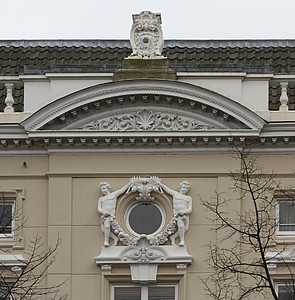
157	205
128	201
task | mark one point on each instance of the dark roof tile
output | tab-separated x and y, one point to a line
38	57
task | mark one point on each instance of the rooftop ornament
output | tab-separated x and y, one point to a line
146	35
146	60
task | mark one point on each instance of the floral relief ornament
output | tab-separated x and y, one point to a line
146	120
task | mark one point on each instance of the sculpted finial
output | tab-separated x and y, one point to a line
146	35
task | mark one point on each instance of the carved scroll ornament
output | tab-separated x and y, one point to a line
146	35
146	120
143	252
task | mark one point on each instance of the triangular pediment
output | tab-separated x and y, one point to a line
143	106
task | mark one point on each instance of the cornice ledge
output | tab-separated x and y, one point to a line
278	129
140	134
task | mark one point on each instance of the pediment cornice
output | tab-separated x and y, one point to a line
165	100
145	115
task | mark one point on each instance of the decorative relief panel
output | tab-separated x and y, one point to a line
143	252
146	120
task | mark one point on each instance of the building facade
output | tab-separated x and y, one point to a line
112	146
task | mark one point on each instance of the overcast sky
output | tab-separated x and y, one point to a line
182	19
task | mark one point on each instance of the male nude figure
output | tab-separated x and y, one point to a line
107	208
182	207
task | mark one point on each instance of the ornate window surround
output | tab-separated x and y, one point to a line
16	240
144	254
126	202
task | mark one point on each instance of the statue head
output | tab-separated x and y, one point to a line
105	187
184	187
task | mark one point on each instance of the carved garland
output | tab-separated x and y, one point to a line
158	239
144	186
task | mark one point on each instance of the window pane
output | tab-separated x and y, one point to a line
4	292
162	293
287	216
145	218
127	293
286	292
6	216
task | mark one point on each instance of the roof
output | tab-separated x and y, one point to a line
253	56
77	56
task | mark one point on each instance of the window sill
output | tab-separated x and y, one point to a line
12	242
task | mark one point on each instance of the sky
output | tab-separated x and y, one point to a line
182	19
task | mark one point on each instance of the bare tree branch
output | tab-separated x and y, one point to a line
243	270
27	279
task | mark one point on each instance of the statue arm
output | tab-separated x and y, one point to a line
189	207
167	189
99	208
188	210
122	190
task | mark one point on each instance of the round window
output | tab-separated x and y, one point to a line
145	218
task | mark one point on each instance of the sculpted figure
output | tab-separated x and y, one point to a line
182	207
107	208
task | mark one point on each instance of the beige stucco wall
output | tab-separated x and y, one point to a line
61	193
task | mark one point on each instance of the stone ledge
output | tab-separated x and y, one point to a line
133	68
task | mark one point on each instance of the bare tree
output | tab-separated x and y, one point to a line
25	277
240	259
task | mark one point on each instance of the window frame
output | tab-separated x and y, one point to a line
280	284
16	239
278	231
13	210
7	287
157	205
144	289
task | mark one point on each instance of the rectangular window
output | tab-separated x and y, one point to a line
286	217
6	218
152	292
5	292
127	293
285	291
